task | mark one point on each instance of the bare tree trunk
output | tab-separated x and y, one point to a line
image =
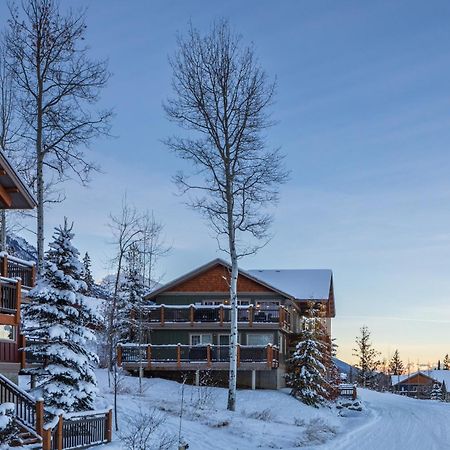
40	214
233	333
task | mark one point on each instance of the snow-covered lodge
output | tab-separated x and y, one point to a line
16	276
420	384
186	324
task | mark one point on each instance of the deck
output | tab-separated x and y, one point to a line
196	357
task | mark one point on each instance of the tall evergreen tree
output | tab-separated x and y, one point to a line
87	274
307	368
367	358
436	392
55	324
129	302
446	363
395	364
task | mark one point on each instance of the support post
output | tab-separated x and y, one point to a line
60	433
250	316
197	377
18	300
281	316
119	355
238	354
23	355
5	266
162	315
191	315
221	315
208	355
253	380
47	439
269	355
40	417
149	356
178	356
108	428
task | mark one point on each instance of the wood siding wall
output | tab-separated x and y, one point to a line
9	352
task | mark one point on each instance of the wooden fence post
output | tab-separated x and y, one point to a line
178	356
108	429
5	266
119	355
60	433
23	355
354	394
40	417
47	439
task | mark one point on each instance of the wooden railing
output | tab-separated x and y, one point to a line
219	314
12	267
10	296
183	355
348	390
77	430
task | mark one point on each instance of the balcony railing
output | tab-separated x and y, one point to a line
182	356
219	314
12	267
9	296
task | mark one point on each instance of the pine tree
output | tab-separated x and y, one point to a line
396	365
367	358
307	372
87	274
436	393
8	426
129	302
55	325
446	363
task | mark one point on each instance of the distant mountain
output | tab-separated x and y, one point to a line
21	248
348	369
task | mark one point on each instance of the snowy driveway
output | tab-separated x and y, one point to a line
398	423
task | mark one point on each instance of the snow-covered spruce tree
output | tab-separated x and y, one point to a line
436	392
56	326
367	358
307	371
87	274
396	364
8	428
446	363
132	291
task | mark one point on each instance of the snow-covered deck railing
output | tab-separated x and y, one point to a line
348	390
220	314
13	267
180	356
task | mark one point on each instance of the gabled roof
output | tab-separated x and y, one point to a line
13	192
302	284
443	376
218	261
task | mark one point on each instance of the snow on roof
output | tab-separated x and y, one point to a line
438	375
303	284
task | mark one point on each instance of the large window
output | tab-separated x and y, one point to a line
201	339
7	333
259	338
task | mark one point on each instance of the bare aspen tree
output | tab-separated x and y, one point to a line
57	86
221	96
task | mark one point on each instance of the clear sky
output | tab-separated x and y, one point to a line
363	107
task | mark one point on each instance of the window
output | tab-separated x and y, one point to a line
7	333
201	339
259	339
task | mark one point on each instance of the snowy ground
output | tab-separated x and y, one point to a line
273	419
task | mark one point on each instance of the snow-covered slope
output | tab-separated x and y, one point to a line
273	420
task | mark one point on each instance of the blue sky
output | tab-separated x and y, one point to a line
363	111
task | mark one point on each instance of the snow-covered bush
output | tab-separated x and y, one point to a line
436	392
317	432
57	323
8	429
144	432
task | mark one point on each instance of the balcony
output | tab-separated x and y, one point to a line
12	267
207	316
196	357
10	298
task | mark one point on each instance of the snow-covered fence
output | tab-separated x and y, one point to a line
182	356
12	267
348	390
9	296
78	430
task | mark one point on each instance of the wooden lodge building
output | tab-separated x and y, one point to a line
420	384
186	324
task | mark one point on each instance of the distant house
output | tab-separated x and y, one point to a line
419	384
187	325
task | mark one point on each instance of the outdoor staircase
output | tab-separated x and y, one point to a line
27	438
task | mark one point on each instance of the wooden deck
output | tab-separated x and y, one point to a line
196	357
